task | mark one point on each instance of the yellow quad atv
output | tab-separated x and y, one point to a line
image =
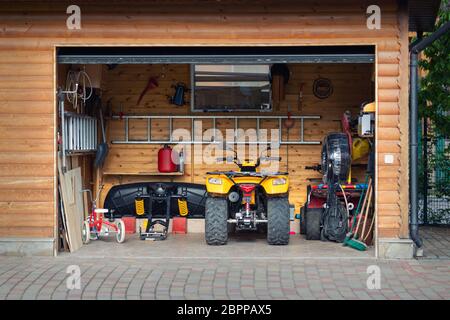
248	199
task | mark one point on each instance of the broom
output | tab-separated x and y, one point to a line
358	208
354	242
351	237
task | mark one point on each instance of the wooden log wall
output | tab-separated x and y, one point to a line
351	83
30	31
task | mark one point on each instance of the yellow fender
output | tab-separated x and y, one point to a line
213	185
221	184
274	185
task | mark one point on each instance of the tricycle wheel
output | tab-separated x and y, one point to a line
120	235
85	232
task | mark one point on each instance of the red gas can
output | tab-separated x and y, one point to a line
165	162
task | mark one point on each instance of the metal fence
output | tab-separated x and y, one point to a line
434	188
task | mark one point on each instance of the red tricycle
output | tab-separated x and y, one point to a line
96	226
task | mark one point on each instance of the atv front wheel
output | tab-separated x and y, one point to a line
278	221
216	224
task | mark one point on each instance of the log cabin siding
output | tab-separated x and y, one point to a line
30	32
122	87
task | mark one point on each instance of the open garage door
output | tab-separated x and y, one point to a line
291	97
216	55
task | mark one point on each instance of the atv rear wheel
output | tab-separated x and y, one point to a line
278	221
216	224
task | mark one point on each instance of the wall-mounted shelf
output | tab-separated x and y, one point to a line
143	173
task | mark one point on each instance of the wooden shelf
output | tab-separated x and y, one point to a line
143	173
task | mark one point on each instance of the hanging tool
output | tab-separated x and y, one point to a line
178	97
102	149
151	84
300	96
289	122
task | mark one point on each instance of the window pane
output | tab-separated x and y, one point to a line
232	87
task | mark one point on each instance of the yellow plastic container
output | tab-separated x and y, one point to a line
360	148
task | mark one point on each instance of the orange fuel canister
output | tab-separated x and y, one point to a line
165	162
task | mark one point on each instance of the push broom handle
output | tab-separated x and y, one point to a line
358	208
366	213
369	187
370	228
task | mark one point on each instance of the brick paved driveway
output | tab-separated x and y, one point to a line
147	278
244	269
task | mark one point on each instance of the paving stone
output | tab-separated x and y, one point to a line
157	278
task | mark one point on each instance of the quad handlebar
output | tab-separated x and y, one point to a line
236	160
239	163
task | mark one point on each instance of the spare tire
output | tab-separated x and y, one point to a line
336	157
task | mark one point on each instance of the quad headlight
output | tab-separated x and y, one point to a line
278	181
215	180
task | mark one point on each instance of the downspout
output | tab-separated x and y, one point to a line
415	49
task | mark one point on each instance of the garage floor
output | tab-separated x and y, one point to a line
193	245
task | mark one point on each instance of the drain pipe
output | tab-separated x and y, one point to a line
416	48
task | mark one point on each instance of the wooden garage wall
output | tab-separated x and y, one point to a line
30	32
26	143
122	87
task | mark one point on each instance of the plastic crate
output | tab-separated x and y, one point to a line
179	225
130	224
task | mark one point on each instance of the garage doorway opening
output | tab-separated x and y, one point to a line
189	98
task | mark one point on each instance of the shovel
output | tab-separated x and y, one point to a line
102	149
